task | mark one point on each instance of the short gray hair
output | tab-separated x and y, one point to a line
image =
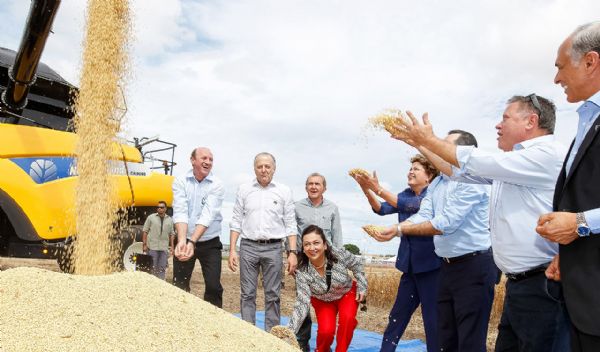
265	154
585	38
547	115
316	174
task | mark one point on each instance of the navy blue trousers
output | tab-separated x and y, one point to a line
534	317
414	289
466	293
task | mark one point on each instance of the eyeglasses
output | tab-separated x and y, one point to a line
536	103
161	207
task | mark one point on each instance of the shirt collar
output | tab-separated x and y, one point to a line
533	141
271	184
592	102
309	203
190	175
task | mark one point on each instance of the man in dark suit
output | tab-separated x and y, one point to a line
575	222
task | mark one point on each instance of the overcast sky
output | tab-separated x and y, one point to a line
299	79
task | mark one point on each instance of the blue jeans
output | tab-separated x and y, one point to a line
534	317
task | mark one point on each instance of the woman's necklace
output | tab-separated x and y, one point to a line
322	266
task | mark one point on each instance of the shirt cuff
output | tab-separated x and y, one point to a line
437	224
463	154
180	219
592	217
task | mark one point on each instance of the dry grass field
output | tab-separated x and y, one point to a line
383	284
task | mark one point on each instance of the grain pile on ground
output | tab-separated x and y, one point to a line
286	334
358	171
97	122
373	230
127	311
387	120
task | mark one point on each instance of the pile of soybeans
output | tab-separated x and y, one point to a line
128	311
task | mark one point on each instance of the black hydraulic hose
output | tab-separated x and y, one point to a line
22	73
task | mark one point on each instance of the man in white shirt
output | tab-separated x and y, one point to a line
197	200
263	216
523	180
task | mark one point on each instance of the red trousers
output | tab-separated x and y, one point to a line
326	316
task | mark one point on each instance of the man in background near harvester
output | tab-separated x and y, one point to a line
197	200
263	216
316	210
157	236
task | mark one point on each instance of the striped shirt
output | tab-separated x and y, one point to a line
309	283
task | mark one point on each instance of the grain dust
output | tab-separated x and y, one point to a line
97	123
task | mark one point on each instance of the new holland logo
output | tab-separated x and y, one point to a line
42	170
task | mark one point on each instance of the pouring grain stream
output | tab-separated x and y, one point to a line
97	123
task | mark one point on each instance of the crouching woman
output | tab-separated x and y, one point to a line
322	279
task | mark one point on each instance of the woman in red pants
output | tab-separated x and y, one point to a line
322	279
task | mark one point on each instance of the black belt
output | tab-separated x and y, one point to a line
272	240
465	256
527	274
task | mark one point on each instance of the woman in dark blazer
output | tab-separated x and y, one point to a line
416	258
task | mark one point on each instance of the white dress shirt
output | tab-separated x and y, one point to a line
198	203
523	182
262	213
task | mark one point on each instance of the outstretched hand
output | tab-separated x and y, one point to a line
387	234
411	131
368	181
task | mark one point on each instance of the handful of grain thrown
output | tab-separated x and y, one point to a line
387	121
357	171
285	334
126	311
373	230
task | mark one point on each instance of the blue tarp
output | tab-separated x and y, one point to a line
363	341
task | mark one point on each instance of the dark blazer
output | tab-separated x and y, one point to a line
580	260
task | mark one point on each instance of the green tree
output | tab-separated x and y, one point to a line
352	248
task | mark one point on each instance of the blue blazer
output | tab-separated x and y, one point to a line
415	253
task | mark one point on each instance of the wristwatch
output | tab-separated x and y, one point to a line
583	230
399	230
295	251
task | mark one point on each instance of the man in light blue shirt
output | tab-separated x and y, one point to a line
575	222
197	200
457	214
523	180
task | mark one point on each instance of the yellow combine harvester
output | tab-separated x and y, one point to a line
38	165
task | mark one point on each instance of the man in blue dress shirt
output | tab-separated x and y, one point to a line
456	214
